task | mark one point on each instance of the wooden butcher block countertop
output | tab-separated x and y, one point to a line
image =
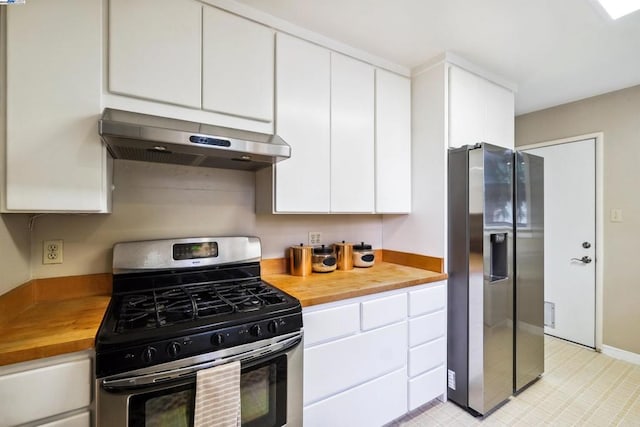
49	317
320	288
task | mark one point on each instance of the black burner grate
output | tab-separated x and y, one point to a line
162	307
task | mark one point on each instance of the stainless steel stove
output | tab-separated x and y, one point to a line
182	305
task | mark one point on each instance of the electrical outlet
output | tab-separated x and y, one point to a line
52	252
315	238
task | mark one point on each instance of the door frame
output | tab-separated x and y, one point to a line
599	184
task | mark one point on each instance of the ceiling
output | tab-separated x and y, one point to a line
555	51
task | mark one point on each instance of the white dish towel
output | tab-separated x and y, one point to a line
218	396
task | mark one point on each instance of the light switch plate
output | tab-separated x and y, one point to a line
616	215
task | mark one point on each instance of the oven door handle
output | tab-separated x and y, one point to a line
190	371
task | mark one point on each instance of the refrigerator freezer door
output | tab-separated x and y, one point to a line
529	301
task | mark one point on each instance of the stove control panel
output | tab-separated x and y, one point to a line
174	348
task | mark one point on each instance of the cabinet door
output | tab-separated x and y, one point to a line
466	108
393	143
373	403
43	392
237	76
302	183
500	115
155	50
352	128
54	158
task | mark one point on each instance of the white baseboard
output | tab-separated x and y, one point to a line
625	355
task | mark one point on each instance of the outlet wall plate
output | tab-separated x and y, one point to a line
315	238
52	251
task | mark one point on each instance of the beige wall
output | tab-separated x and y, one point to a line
14	251
153	201
617	115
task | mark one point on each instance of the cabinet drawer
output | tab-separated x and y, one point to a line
427	328
78	420
371	404
38	393
330	323
384	311
427	356
338	365
427	300
426	387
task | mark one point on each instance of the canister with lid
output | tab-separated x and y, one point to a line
300	260
363	255
344	255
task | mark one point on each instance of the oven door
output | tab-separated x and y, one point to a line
270	392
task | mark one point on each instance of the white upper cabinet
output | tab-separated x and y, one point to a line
237	66
302	183
352	135
393	143
155	49
55	161
479	111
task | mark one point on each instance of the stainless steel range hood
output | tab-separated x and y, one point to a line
136	136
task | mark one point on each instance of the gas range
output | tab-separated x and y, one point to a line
179	298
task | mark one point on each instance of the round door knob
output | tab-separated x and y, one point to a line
217	339
273	326
148	354
256	330
173	350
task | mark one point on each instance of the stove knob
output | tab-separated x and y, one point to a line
256	331
148	354
173	350
217	339
273	326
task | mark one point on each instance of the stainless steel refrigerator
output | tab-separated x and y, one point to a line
488	216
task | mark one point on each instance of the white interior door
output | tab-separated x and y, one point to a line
569	240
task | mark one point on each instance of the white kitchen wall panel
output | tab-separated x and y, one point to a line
352	135
237	66
55	161
155	50
393	143
32	394
372	404
303	85
330	324
353	360
384	311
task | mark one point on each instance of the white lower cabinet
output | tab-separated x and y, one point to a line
46	388
369	360
374	403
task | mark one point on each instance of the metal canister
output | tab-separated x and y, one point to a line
300	260
344	254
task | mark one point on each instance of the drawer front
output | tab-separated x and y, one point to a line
333	367
427	328
427	300
426	387
331	323
79	420
427	356
38	393
384	311
372	404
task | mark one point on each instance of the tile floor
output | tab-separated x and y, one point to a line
579	388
